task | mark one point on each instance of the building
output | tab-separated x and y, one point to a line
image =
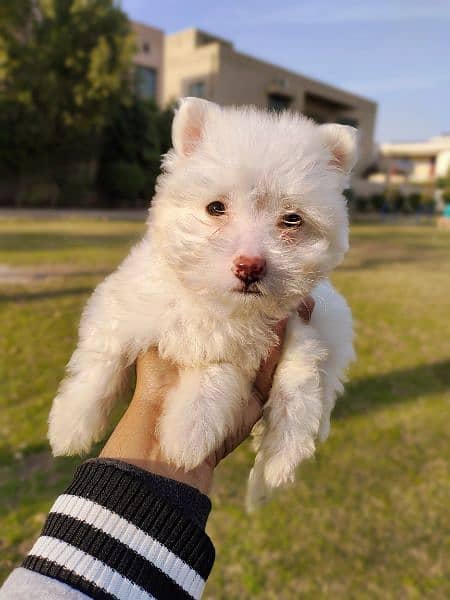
195	63
148	61
414	163
199	64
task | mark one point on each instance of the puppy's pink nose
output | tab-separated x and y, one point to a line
249	269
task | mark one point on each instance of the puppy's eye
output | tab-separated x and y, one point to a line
216	209
291	221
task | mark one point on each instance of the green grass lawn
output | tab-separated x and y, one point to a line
369	517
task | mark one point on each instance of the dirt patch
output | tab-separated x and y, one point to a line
13	275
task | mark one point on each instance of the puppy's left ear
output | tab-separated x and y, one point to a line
342	142
188	124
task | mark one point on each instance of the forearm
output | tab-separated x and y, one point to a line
120	532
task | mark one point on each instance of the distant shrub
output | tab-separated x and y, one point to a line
148	189
40	193
377	201
397	202
123	180
414	200
76	185
132	137
165	127
443	183
349	195
363	204
428	203
358	204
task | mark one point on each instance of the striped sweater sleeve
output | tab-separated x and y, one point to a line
121	533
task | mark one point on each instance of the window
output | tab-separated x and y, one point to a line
319	119
146	48
146	82
348	121
278	102
324	110
197	89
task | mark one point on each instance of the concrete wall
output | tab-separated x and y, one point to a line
231	77
427	160
150	53
246	80
443	163
186	62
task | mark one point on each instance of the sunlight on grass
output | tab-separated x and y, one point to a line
368	518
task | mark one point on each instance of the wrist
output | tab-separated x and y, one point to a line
199	478
134	441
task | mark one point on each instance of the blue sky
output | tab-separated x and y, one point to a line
396	52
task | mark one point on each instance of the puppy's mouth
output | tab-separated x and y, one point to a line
248	290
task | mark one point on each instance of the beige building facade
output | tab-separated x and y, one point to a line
148	61
199	64
416	163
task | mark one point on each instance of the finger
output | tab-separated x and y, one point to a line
154	375
264	377
305	308
250	417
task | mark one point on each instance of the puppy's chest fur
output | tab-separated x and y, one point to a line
197	339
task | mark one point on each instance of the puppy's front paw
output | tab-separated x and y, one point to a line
67	437
279	468
186	443
68	443
72	427
278	471
324	428
200	411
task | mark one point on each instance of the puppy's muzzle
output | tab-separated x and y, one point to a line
249	269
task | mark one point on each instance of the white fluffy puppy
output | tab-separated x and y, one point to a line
248	218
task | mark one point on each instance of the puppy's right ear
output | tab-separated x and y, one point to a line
342	142
188	124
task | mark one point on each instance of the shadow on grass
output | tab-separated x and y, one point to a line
31	241
379	391
374	263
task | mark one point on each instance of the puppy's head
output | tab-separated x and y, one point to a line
249	208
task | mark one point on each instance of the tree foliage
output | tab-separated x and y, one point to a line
444	185
63	65
133	141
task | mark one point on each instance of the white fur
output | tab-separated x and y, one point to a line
176	290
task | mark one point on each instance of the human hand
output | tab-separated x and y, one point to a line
135	438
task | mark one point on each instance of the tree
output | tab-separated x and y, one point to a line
132	133
64	64
131	151
133	141
165	127
444	185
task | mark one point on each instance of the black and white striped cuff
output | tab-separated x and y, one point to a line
110	536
